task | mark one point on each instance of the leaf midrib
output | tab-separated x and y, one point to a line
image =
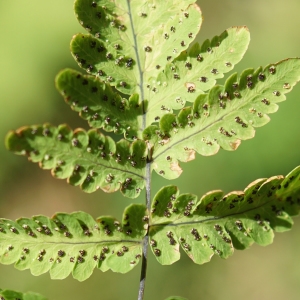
138	242
141	73
212	218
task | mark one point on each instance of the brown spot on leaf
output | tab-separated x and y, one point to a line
176	168
191	155
234	145
165	141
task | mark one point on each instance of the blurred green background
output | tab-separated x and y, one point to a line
34	47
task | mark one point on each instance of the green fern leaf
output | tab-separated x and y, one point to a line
97	103
129	40
221	118
216	224
195	71
73	243
13	295
88	159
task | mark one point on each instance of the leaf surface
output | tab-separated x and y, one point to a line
221	118
129	41
73	243
216	224
195	71
88	159
97	103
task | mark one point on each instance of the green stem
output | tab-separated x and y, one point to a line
145	240
148	166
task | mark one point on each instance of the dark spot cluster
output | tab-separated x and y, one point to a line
61	253
263	223
224	132
188	208
157	252
249	83
272	70
44	229
226	239
208	208
239	225
41	254
217	227
240	121
261	76
13	229
27	229
186	247
188	65
199	58
153	243
118	226
170	236
277	211
196	234
265	101
191	89
127	183
250	200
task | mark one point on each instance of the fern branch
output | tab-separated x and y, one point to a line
216	224
97	103
195	71
221	118
146	238
88	159
73	243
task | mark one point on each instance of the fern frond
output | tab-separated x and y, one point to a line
216	224
73	243
195	71
88	159
222	117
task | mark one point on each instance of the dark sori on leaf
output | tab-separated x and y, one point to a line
144	82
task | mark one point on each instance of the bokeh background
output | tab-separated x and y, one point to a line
34	47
